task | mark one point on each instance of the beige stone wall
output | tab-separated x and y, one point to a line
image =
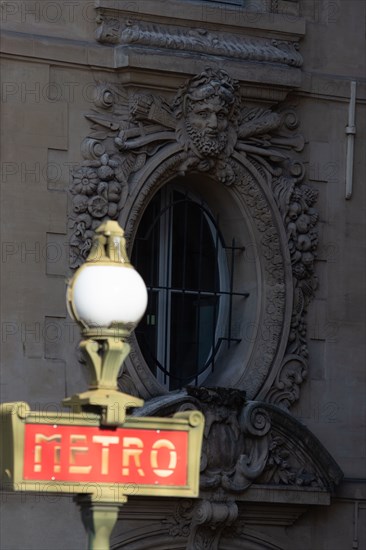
50	63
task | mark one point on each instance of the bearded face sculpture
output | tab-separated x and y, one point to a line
205	108
206	124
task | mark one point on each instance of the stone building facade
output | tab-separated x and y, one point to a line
223	134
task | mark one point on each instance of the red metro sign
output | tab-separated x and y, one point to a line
73	453
94	455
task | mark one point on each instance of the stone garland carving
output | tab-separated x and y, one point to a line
119	31
296	202
207	122
282	468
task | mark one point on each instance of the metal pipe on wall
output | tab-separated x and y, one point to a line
350	132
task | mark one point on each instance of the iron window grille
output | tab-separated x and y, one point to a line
189	273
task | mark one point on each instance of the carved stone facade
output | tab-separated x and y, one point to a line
246	105
140	140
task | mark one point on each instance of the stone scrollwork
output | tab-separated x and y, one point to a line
204	523
205	128
235	439
209	521
235	453
247	445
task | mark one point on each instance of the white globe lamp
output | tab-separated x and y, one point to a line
106	292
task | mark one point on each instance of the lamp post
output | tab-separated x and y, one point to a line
107	298
97	452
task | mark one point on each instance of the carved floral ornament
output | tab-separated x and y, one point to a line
140	141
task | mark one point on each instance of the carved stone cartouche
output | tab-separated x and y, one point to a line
211	131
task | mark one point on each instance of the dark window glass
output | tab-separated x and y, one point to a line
176	251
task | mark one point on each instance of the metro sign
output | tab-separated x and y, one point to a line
72	453
81	453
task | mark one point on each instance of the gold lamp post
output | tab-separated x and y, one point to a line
97	452
107	298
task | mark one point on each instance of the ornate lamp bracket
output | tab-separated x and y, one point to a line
104	358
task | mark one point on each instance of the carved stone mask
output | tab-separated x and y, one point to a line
206	124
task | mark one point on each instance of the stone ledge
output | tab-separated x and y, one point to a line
275	494
163	70
353	489
184	64
51	49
